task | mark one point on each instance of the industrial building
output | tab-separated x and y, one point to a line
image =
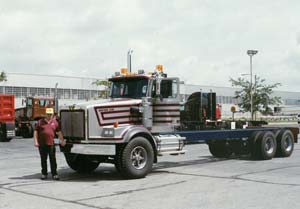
71	90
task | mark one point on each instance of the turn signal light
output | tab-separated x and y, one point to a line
116	124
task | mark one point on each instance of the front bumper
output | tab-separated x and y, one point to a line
90	149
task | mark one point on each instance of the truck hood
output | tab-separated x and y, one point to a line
109	111
109	103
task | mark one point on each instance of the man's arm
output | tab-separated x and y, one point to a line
61	138
35	137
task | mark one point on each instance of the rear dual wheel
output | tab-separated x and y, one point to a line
265	145
285	143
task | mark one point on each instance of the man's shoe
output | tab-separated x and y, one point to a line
55	177
43	177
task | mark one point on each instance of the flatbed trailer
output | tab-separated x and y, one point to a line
258	142
207	135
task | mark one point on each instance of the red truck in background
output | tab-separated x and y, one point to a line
7	117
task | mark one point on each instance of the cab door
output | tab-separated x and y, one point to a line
166	106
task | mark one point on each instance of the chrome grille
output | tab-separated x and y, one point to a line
72	124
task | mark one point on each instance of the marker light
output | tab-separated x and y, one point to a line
116	124
124	71
159	68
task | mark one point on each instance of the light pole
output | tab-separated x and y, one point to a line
251	53
129	53
56	99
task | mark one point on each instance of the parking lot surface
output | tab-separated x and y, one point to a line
194	180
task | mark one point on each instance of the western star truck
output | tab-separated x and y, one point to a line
145	118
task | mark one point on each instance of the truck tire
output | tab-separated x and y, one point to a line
3	137
8	139
136	159
118	157
254	148
285	143
80	163
266	146
27	132
220	149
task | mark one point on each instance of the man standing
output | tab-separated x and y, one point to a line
44	134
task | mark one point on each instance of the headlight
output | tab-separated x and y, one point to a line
108	132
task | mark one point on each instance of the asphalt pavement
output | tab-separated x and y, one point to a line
195	180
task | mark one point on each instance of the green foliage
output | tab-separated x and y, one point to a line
3	76
262	95
103	93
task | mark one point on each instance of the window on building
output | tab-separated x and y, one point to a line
41	91
67	93
17	91
33	91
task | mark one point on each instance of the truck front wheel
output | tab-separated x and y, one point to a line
80	163
136	159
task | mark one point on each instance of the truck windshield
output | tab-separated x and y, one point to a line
129	88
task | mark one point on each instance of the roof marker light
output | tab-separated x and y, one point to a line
159	68
124	71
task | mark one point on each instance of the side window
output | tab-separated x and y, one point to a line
169	88
42	103
29	102
47	103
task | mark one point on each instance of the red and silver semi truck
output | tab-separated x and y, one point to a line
145	118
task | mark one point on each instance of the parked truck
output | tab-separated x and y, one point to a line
34	109
7	117
145	118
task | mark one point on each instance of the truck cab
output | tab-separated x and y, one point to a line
141	107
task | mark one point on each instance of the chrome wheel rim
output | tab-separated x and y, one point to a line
287	143
269	145
138	157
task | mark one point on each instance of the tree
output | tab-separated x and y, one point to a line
3	76
261	95
106	84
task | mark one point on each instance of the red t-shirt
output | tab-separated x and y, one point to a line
46	131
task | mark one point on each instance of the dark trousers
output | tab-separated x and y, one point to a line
46	150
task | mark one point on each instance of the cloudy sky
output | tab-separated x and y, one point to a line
201	41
